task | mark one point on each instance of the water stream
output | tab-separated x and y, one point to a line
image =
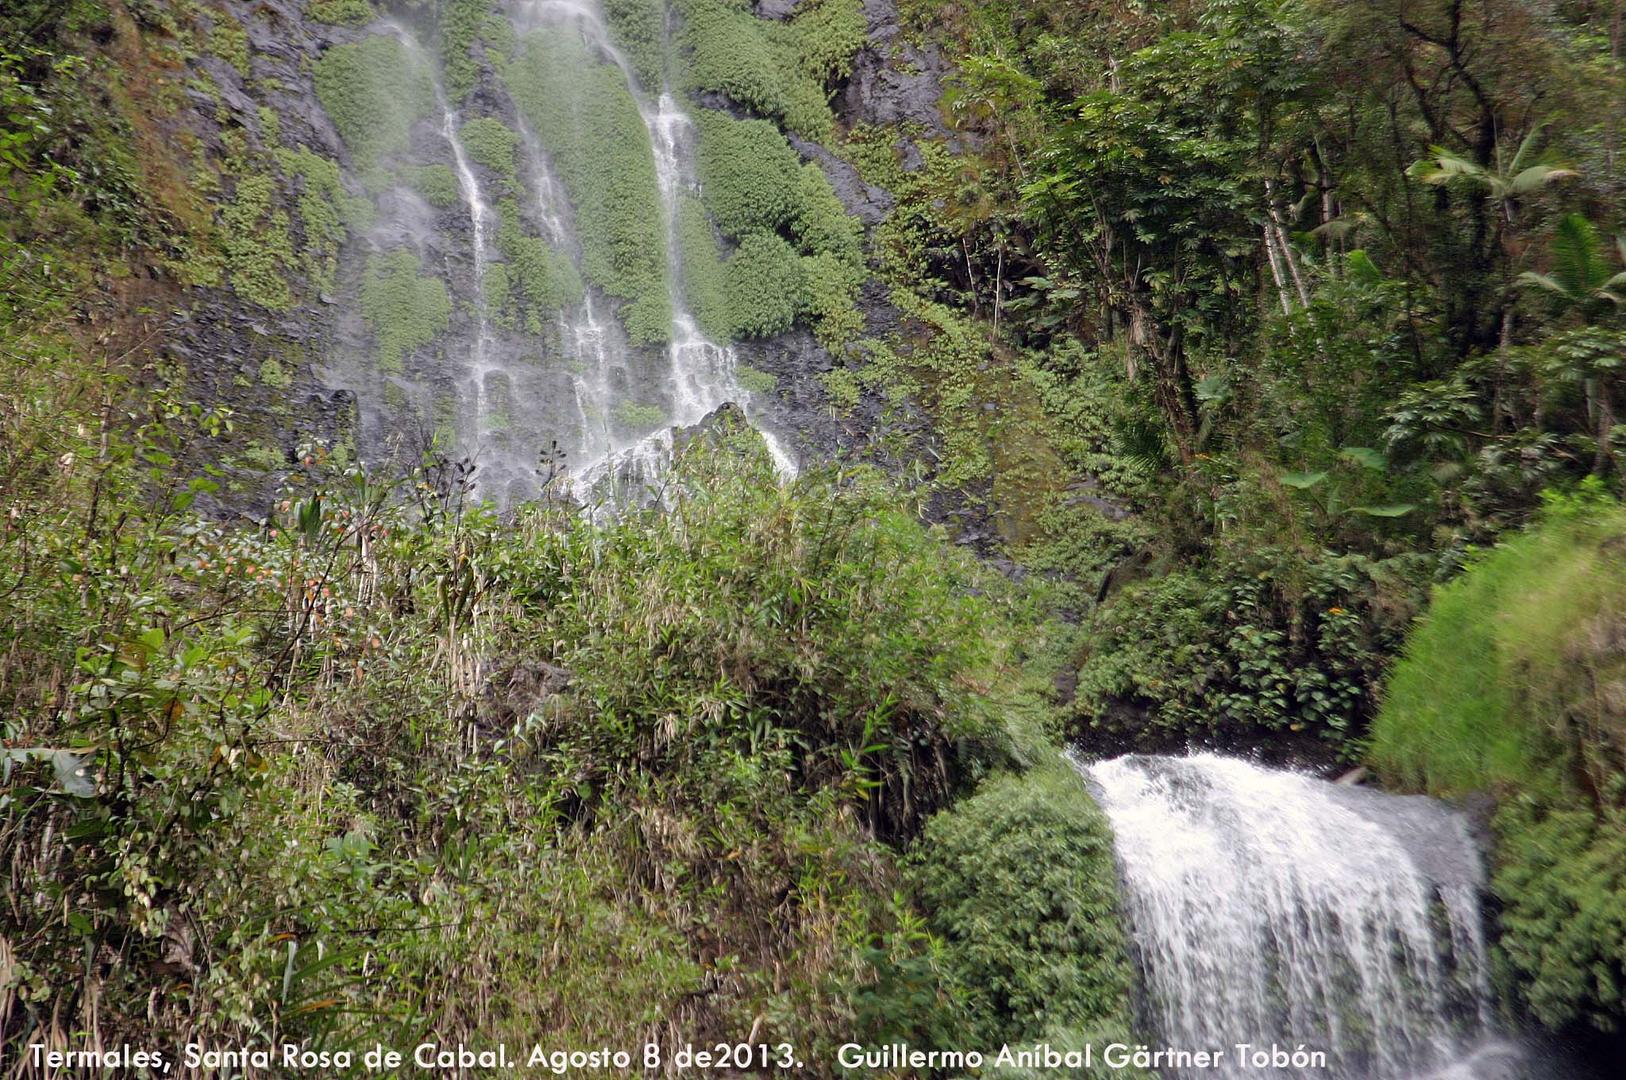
1269	907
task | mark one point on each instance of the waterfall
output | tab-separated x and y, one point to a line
1268	907
480	365
702	373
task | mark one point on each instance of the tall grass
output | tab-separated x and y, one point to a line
1512	670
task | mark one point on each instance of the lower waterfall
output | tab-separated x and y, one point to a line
1266	907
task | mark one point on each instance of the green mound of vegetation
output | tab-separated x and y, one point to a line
404	308
373	91
1514	684
590	125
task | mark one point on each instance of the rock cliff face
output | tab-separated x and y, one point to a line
381	283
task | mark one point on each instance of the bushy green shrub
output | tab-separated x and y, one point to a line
436	183
1262	645
256	245
404	308
1019	884
341	12
590	124
639	29
493	144
748	172
821	223
776	69
460	24
765	287
373	91
1560	877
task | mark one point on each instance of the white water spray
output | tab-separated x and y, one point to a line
1267	907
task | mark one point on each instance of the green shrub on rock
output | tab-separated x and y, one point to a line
764	282
373	91
493	144
1019	883
748	173
404	308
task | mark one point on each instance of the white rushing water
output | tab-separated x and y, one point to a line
1269	907
703	374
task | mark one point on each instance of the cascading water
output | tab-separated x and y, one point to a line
703	374
1268	907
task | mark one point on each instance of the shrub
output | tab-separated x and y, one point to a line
639	29
765	287
341	12
748	173
436	183
255	244
772	68
373	91
404	309
590	125
543	281
460	24
1019	883
491	143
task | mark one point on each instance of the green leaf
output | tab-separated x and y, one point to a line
1394	511
1366	457
1303	480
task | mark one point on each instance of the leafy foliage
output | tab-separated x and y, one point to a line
373	90
1019	883
404	308
588	121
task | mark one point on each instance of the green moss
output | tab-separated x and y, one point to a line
461	22
341	12
373	91
590	125
404	309
1018	882
765	286
325	211
754	183
777	69
490	142
750	175
255	245
230	42
436	183
638	27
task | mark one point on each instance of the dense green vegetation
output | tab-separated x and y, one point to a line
373	91
404	307
1513	685
585	115
1248	331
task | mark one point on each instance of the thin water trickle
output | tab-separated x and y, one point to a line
1266	906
